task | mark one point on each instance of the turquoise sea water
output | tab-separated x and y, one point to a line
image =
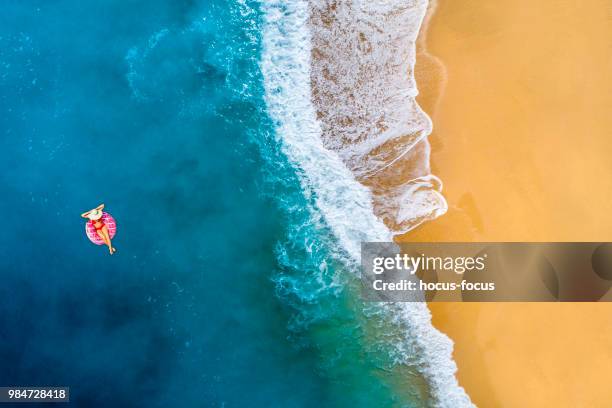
225	289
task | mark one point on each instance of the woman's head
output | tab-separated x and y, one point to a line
94	214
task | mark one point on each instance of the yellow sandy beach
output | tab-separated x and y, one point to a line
523	143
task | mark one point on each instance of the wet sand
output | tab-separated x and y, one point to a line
523	143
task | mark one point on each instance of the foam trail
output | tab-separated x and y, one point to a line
345	204
364	92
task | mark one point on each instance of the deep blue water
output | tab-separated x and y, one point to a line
141	105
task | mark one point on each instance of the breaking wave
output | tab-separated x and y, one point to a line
341	168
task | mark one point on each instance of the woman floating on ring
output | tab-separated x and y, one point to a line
101	227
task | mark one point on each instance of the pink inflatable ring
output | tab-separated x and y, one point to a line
93	236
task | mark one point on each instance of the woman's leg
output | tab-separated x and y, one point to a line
111	249
103	233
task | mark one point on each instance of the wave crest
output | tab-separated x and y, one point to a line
327	171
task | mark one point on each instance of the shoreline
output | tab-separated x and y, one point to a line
364	97
364	92
508	115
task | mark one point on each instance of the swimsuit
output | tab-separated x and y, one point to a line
93	223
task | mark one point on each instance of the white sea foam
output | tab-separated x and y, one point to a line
345	204
362	76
